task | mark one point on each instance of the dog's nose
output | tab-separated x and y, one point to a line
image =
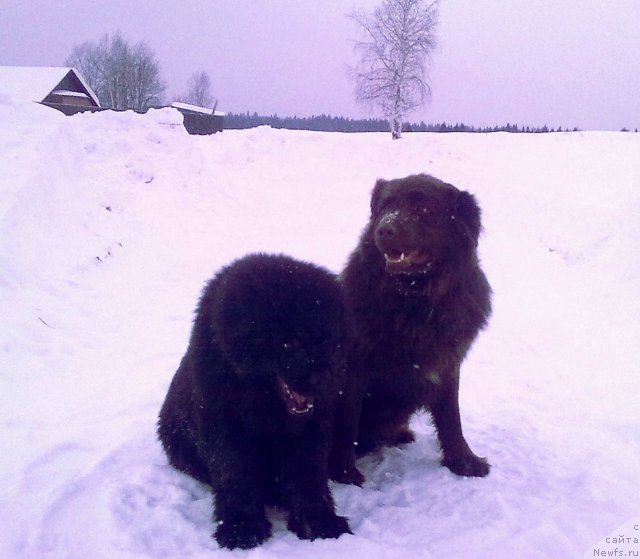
387	229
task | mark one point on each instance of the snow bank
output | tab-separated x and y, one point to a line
110	223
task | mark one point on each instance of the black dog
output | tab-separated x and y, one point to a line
417	298
249	408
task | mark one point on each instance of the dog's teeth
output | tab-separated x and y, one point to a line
395	260
305	410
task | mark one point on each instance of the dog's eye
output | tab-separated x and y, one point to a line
415	197
387	203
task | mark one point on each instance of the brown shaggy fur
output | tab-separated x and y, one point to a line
417	299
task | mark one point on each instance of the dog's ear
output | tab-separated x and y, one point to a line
467	213
375	195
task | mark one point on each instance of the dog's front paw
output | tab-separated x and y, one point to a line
243	534
348	476
346	473
468	466
319	525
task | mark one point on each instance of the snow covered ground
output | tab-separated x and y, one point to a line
111	223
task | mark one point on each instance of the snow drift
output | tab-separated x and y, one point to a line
110	224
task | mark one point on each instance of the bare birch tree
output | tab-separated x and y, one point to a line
122	76
398	39
199	92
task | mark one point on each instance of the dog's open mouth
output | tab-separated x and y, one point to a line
409	269
296	403
407	261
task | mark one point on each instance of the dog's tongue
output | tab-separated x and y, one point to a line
299	400
297	403
301	404
418	257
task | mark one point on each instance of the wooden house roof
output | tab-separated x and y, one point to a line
35	83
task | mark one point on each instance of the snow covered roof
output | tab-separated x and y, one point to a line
195	108
69	93
34	83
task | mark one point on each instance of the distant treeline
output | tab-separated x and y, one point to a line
326	123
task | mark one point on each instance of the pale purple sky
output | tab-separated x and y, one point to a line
554	62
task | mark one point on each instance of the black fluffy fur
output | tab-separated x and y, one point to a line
415	314
248	410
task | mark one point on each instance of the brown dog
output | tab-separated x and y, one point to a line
417	299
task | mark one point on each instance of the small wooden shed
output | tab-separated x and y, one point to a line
200	121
